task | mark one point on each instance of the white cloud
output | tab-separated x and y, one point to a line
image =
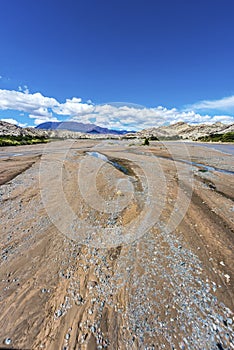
224	104
13	121
16	100
39	120
137	118
42	115
42	111
117	115
72	107
24	89
10	120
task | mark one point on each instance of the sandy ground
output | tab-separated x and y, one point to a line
133	253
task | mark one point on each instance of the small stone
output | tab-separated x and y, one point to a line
227	277
67	336
93	329
182	345
7	341
222	263
214	327
58	313
80	298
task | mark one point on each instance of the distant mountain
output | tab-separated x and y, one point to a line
79	127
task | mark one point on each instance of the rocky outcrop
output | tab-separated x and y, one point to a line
7	129
184	131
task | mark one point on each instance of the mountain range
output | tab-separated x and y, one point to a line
178	130
80	127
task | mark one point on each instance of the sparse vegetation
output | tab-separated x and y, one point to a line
228	137
165	138
21	140
146	142
154	138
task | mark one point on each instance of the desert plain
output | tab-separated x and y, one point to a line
115	245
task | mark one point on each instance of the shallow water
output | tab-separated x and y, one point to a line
11	155
207	167
224	148
105	159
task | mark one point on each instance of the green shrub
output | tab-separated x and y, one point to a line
228	137
146	142
21	140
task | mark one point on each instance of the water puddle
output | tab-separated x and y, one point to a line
12	155
203	167
206	167
223	148
101	156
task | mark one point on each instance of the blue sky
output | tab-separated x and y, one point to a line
71	59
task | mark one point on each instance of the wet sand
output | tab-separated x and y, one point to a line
94	257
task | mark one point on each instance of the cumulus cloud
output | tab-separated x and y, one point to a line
112	115
17	100
13	121
40	119
133	118
24	89
224	104
72	107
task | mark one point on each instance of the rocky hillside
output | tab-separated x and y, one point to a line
7	129
185	131
176	131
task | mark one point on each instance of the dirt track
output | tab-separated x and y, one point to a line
133	255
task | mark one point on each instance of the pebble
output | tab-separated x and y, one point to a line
7	341
67	336
58	313
227	277
93	329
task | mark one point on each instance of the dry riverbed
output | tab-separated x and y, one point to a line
108	245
